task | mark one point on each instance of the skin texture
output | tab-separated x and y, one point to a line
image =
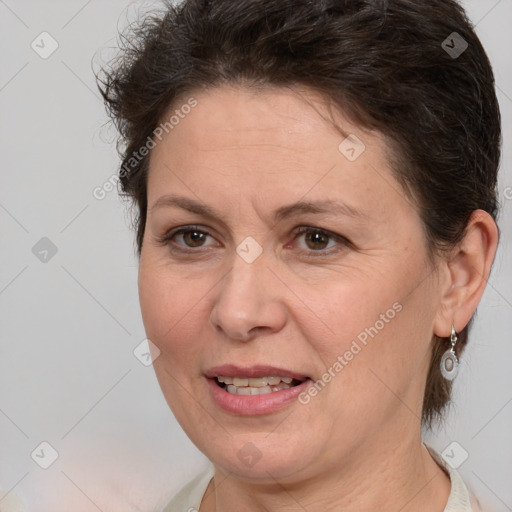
357	444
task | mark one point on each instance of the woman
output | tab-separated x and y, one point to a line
315	184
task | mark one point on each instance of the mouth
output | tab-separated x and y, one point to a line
256	385
254	390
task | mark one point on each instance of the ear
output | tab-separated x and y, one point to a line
467	271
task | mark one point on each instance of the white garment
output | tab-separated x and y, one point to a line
190	497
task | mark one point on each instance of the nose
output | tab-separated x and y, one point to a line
248	302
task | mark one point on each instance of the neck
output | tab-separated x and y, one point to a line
385	478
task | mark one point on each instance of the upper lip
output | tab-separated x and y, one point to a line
231	370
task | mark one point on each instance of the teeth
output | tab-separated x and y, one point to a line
262	391
248	390
255	386
258	382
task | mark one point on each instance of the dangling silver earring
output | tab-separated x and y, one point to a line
449	361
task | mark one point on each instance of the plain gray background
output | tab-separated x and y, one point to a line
69	324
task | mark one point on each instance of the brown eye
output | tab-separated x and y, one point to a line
316	240
194	238
319	242
188	237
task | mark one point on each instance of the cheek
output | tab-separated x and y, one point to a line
164	302
371	331
175	311
155	300
170	309
349	309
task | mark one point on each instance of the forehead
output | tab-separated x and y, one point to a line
276	145
225	116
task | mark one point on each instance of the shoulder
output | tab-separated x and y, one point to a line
460	499
189	497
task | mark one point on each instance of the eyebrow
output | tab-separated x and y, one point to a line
316	207
282	213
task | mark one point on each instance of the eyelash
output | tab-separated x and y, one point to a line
298	231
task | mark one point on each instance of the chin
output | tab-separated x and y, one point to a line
261	457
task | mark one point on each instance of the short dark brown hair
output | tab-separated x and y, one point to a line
400	67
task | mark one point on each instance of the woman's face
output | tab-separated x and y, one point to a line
296	257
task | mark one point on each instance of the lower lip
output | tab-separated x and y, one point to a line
251	405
